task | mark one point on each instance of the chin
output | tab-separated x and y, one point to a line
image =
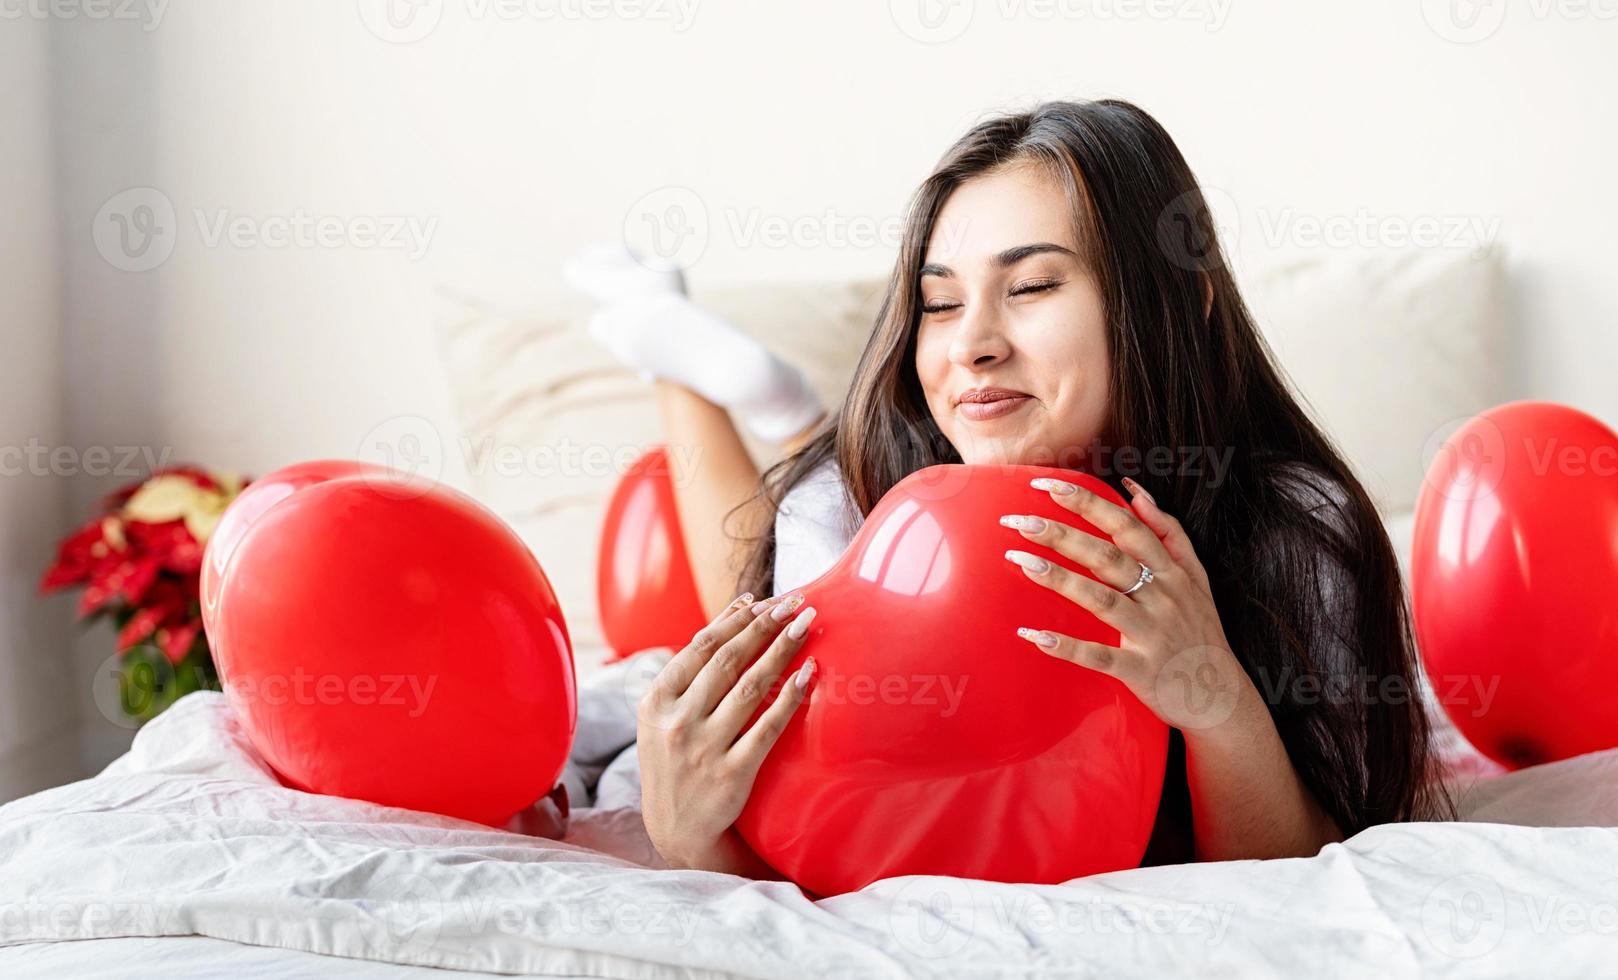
1009	450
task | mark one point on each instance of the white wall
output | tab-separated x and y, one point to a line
38	706
522	138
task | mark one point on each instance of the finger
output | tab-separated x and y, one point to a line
676	676
755	685
719	674
1109	605
1118	523
752	747
1167	529
1105	560
1086	653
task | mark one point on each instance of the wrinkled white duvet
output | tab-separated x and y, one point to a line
189	835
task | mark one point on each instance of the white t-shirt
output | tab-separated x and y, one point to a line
813	527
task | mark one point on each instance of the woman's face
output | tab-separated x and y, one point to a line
1010	311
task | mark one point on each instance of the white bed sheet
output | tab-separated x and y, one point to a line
189	835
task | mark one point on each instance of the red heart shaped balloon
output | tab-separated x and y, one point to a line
935	740
1514	570
644	587
391	641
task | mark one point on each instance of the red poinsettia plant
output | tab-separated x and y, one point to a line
139	560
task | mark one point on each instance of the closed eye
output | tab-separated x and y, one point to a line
1022	289
1044	285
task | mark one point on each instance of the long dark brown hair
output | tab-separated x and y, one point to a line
1275	526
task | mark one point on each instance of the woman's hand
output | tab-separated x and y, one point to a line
1172	651
1247	798
697	768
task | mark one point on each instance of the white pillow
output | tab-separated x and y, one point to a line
1387	348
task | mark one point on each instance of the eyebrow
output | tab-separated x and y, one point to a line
1004	260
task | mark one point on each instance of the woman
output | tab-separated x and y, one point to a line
1059	298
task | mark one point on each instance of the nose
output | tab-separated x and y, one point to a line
980	337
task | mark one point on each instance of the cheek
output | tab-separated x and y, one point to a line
932	363
1070	347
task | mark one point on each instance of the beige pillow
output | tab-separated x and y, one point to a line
550	421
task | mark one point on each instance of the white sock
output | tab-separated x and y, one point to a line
647	322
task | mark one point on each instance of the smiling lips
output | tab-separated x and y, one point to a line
982	404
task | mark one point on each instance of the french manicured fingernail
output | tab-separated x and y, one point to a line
1033	563
1053	486
808	668
787	607
742	599
800	626
1037	637
1024	522
760	606
1135	489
